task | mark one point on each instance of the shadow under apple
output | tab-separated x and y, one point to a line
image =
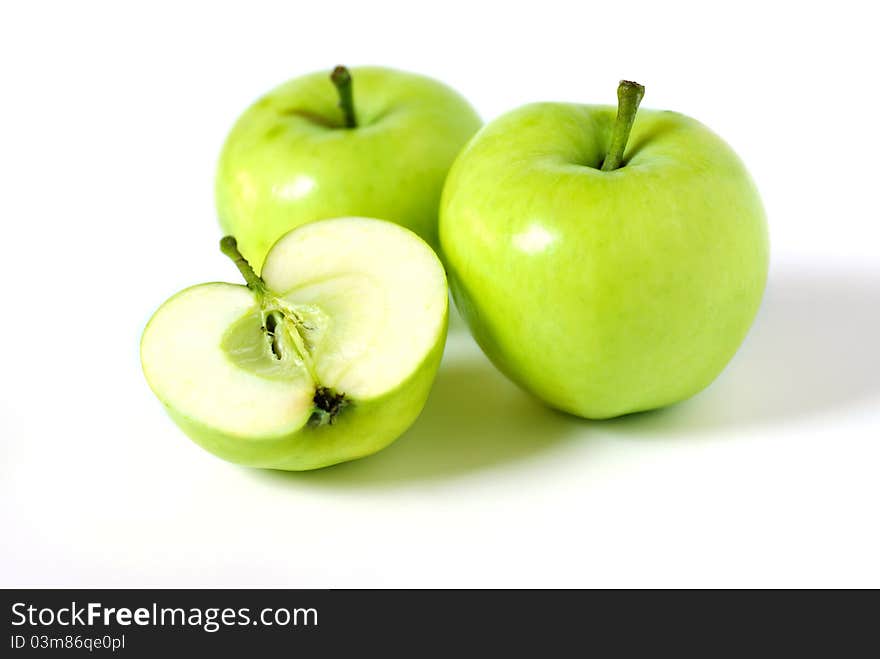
815	347
474	419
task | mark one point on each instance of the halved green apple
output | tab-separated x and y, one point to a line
328	357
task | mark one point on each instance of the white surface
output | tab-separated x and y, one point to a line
111	122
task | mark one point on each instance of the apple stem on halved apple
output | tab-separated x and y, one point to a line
229	246
282	324
629	95
341	79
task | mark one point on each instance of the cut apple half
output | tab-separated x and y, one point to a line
329	356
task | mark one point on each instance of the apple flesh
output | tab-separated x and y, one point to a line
328	357
380	145
604	292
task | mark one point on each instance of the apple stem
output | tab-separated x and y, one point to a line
280	319
629	95
229	246
341	79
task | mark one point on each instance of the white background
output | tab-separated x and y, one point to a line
112	119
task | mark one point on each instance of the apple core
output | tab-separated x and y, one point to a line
289	333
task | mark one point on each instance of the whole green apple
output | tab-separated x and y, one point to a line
329	356
607	263
375	142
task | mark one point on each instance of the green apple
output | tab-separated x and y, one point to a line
329	356
378	145
604	278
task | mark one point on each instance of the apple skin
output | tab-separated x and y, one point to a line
604	293
361	430
288	160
